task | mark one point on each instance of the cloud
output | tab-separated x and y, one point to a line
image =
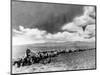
32	36
72	31
48	17
86	20
27	36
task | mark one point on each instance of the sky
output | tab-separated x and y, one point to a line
44	22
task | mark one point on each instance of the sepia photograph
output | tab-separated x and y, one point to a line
52	37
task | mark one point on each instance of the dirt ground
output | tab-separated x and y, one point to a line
67	61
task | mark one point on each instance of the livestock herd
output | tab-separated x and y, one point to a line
43	57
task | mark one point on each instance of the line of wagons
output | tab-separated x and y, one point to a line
31	58
40	57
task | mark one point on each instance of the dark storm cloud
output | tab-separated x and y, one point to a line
48	17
